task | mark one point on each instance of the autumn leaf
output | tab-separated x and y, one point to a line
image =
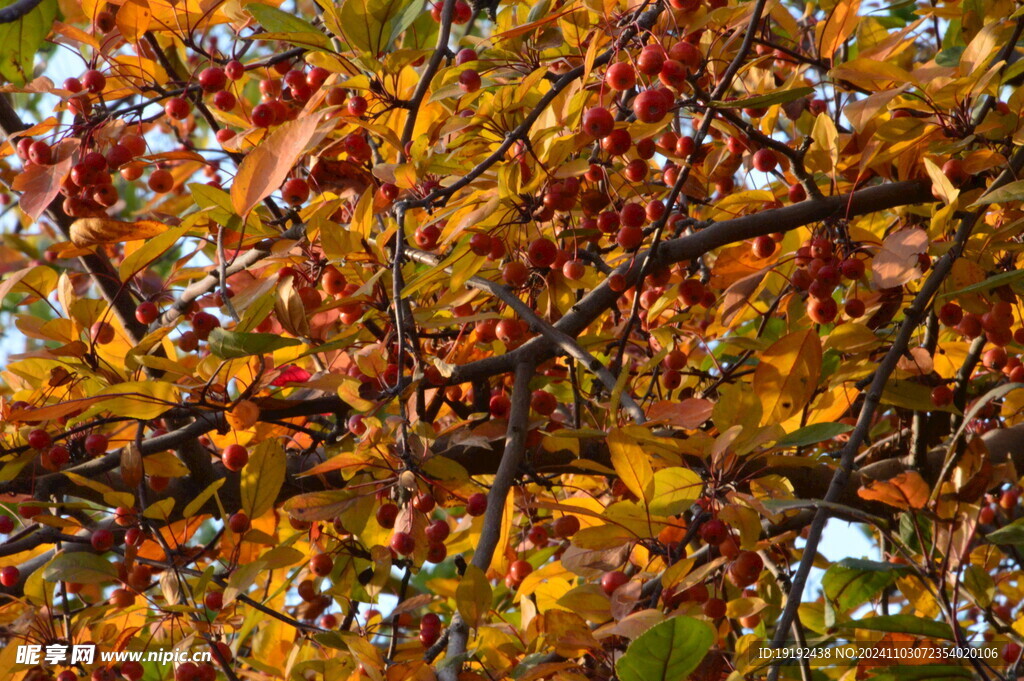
905	490
897	263
787	375
96	231
265	168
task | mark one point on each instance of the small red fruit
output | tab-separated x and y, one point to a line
519	570
235	456
476	505
239	523
10	576
101	540
598	122
321	565
612	580
386	515
437	531
403	543
96	444
147	312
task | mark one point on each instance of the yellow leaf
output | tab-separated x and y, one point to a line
94	231
150	251
941	183
110	496
160	510
631	464
674	490
136	399
787	376
266	167
473	596
826	137
262	478
201	498
243	415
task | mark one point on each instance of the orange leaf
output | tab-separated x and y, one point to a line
838	27
267	166
906	490
94	231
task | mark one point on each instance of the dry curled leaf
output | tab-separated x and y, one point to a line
95	231
906	490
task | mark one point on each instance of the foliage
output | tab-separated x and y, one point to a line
400	340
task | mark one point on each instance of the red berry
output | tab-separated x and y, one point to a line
763	247
295	191
542	252
612	580
476	505
651	59
239	523
321	565
565	526
630	238
402	543
437	531
96	444
147	312
203	323
39	153
797	193
214	600
177	108
234	457
543	402
357	105
94	81
234	69
10	576
101	540
263	115
598	122
519	570
765	160
469	81
942	395
714	531
714	608
212	79
6	524
620	76
650	106
39	439
386	515
746	568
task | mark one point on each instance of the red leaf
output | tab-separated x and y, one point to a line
40	185
291	374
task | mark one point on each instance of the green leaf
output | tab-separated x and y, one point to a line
232	345
766	100
809	435
371	25
1008	193
1008	534
903	624
853	581
950	56
81	567
666	652
281	22
20	41
990	283
241	579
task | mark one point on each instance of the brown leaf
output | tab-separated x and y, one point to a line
919	363
267	166
344	178
737	296
906	490
131	466
95	231
40	185
896	263
689	414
